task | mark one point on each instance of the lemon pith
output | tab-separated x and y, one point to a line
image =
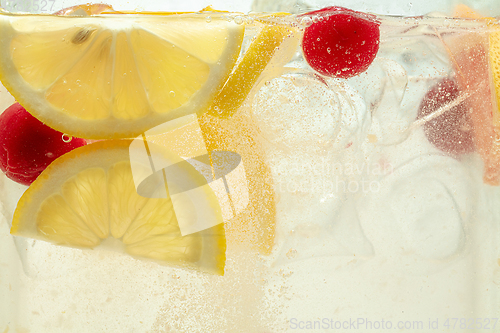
115	76
88	196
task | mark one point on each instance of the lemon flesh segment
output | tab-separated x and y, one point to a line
126	204
60	224
130	99
116	76
85	93
88	196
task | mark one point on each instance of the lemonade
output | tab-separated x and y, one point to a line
305	168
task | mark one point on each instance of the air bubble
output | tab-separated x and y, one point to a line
67	138
238	20
292	253
172	93
208	19
306	21
315	19
329	50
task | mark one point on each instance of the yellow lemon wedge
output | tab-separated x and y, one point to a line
116	75
257	58
229	126
87	199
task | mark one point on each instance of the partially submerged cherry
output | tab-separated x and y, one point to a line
452	131
340	42
27	146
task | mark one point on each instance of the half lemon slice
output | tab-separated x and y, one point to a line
87	199
116	75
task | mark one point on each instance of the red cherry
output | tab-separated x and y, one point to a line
342	43
27	146
451	132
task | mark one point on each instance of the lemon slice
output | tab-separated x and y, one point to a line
229	126
257	58
87	199
116	76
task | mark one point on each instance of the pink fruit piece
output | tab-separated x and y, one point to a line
340	42
452	131
27	146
